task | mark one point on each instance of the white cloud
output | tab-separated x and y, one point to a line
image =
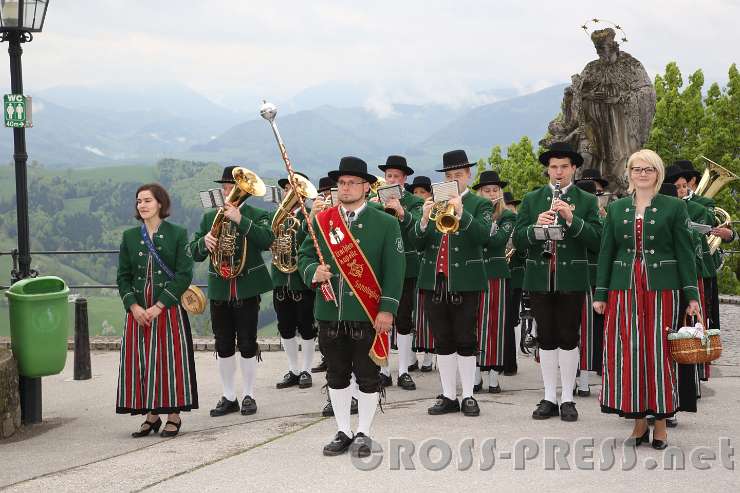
94	150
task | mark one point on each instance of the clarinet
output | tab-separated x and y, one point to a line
547	253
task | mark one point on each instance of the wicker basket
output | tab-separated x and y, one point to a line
693	351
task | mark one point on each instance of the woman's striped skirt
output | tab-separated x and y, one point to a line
424	341
493	324
157	369
592	336
639	377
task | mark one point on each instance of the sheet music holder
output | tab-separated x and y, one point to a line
548	232
701	228
212	198
334	197
274	194
444	191
389	192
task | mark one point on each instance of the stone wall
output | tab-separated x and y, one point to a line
10	402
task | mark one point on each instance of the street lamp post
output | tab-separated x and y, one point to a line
19	19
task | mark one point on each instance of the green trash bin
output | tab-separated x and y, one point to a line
39	319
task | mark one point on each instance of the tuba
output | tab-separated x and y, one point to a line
285	225
224	259
713	180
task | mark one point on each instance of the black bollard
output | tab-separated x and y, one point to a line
82	341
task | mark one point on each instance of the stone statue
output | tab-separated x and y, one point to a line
607	110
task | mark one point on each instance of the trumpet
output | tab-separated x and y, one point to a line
443	216
547	251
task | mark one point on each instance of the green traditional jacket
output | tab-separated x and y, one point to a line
711	262
255	278
667	248
465	260
593	258
171	242
700	214
378	235
292	280
494	252
571	255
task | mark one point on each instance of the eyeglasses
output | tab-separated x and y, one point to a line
342	183
648	170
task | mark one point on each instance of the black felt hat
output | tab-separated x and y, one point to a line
688	167
561	149
282	182
353	166
325	184
510	200
396	162
587	186
674	172
226	176
455	160
669	189
591	174
489	178
419	181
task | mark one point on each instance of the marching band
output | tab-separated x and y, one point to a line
437	268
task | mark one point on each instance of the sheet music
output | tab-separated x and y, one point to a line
444	191
701	228
389	192
211	198
334	197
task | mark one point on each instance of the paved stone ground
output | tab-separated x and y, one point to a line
83	446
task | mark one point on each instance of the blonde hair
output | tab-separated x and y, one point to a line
650	157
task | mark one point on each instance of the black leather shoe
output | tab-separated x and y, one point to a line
406	382
636	441
329	409
386	380
651	420
494	390
173	433
478	387
224	407
545	409
361	446
289	380
339	445
510	373
444	406
671	422
426	368
568	411
304	380
658	444
321	367
583	393
147	427
249	405
469	407
414	366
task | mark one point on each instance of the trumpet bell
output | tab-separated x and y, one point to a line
443	215
248	182
714	179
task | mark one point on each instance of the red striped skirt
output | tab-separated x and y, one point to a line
639	377
493	314
424	341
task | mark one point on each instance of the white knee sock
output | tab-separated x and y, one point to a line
341	400
583	379
249	374
447	364
353	385
549	368
428	359
366	404
307	348
404	349
291	351
466	366
569	361
386	370
412	353
226	369
492	378
478	376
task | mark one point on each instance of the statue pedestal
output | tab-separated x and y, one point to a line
10	402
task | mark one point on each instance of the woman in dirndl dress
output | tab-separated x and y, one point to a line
646	261
496	339
157	368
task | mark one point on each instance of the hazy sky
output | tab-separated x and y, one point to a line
404	50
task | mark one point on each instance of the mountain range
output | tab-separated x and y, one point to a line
81	127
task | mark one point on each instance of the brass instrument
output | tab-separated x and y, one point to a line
379	183
223	259
713	180
443	216
547	251
285	225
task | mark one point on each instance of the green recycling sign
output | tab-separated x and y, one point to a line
17	111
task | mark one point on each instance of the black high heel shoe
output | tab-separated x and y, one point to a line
166	433
659	444
152	426
637	441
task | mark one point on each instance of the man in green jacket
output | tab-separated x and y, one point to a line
556	274
363	262
452	277
235	301
407	210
